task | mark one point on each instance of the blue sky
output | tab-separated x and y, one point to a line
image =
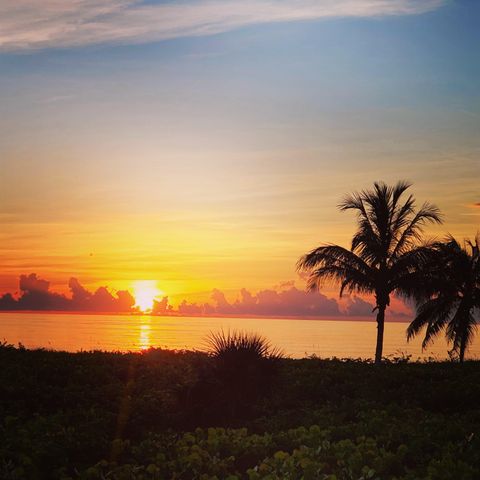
295	73
259	128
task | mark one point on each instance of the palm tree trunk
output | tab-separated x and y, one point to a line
380	328
463	344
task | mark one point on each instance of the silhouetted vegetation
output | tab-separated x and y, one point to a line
161	415
449	297
242	410
235	349
244	366
385	255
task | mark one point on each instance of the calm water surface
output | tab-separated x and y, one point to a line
297	338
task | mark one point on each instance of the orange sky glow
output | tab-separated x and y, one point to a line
184	159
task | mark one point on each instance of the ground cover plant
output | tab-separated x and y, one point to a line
163	414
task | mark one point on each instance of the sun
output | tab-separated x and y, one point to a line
145	293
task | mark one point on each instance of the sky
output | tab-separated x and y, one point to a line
206	144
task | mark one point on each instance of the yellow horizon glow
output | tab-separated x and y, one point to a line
206	180
145	293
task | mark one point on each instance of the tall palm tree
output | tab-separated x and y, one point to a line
385	254
451	299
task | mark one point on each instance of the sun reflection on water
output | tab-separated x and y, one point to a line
144	338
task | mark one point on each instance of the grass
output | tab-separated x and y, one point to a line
164	414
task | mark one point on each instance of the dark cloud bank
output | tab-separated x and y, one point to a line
35	294
285	300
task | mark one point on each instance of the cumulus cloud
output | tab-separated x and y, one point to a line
31	283
283	300
35	294
286	301
356	306
162	307
33	24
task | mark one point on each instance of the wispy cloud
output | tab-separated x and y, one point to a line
36	24
55	99
476	210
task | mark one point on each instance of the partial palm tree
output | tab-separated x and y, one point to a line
451	297
385	255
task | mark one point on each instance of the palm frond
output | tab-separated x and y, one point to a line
401	214
355	201
412	233
454	289
415	274
461	327
434	314
337	264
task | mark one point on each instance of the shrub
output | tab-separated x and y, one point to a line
245	365
241	346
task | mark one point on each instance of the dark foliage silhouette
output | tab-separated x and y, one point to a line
450	299
386	255
245	365
236	347
61	419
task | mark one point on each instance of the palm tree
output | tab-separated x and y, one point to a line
451	298
385	254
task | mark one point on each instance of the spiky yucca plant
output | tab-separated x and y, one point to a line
245	367
240	344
